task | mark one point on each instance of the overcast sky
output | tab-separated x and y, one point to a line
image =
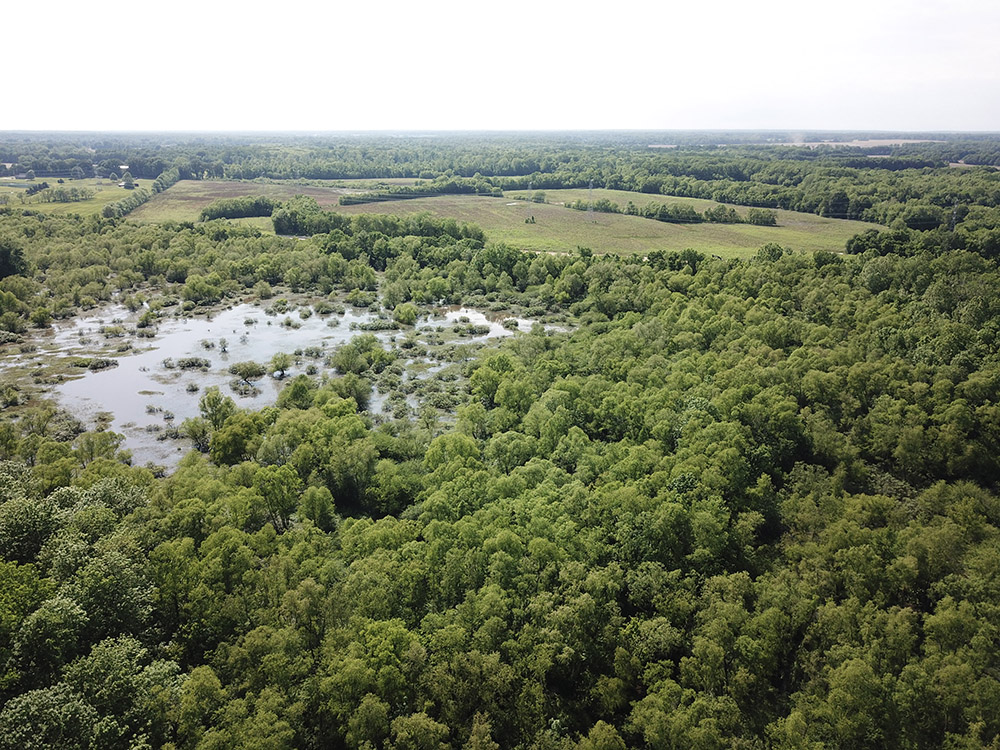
449	65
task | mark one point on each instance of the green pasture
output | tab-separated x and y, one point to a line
560	229
798	229
185	200
555	227
105	192
621	197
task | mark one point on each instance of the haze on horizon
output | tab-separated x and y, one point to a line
450	65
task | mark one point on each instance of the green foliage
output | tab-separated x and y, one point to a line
11	257
48	718
442	185
738	504
405	314
248	371
238	208
122	207
166	179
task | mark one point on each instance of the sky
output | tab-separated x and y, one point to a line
892	65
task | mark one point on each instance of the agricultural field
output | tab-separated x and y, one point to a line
554	227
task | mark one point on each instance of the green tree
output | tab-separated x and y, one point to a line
279	487
11	257
405	313
279	363
48	638
419	732
248	371
48	718
215	407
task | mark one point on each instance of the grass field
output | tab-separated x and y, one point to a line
104	193
560	229
799	231
184	201
555	229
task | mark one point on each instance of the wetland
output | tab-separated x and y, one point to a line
110	371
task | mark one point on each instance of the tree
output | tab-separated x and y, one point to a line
216	408
316	504
923	216
237	440
836	205
25	524
48	638
131	695
201	696
248	371
406	314
419	732
127	182
279	363
369	723
199	431
480	737
11	257
279	487
52	717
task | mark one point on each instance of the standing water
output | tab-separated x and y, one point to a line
150	391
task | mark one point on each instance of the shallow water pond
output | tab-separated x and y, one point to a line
150	391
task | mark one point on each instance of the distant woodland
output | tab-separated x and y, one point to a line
726	503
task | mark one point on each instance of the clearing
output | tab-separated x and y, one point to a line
104	192
555	228
560	229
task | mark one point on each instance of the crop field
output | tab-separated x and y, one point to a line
554	228
105	192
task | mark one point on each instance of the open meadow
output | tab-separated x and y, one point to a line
185	200
547	227
556	228
104	192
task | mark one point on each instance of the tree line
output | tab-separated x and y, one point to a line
679	213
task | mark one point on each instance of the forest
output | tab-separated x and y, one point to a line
742	503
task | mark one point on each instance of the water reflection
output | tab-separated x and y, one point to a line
150	391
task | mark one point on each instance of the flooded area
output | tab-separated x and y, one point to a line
146	391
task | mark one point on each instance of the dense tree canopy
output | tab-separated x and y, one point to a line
736	503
